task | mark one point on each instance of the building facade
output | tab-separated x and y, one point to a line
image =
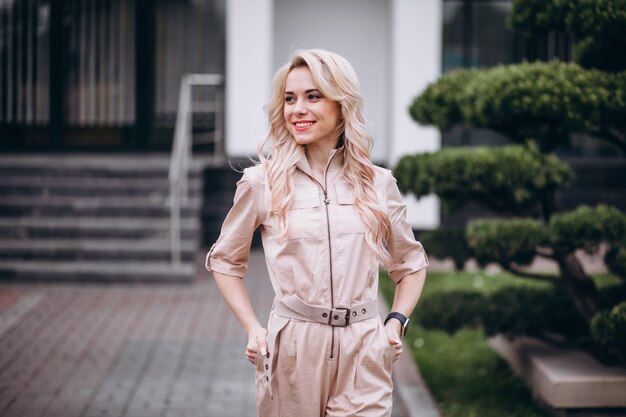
104	75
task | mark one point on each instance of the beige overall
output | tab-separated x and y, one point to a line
316	369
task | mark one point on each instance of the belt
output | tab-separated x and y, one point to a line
292	307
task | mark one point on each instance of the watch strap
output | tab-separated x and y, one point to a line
404	320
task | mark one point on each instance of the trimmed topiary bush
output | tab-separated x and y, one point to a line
615	260
608	328
451	311
447	243
509	179
543	101
586	228
533	312
542	104
505	241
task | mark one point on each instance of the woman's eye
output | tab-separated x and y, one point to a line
314	97
289	99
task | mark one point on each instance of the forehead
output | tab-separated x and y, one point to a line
300	79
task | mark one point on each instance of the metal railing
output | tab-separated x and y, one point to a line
182	148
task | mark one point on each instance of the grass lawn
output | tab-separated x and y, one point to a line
465	376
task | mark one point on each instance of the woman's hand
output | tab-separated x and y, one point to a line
257	342
393	328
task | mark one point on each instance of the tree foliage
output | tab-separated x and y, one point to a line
586	228
505	240
609	329
538	106
510	179
543	101
599	27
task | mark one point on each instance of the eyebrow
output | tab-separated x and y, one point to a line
312	90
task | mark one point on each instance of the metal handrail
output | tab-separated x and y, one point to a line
182	148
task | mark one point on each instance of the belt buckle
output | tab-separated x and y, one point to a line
346	317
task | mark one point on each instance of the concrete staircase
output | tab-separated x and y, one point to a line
92	218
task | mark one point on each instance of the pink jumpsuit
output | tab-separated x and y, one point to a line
318	370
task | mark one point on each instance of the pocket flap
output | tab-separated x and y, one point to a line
305	197
345	194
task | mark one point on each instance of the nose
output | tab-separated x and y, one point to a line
299	107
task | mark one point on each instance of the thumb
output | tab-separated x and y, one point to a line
393	341
262	342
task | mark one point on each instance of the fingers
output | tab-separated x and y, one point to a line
257	343
398	350
251	353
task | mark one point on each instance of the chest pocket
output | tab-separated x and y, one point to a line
348	218
305	219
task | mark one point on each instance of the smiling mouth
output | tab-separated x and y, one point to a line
303	125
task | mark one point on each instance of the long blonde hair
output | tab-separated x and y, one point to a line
337	81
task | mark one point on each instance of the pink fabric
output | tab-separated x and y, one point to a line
319	370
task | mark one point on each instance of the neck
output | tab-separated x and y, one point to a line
317	155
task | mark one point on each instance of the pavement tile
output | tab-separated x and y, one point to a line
128	350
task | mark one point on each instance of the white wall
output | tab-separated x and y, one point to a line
355	29
416	61
248	73
394	45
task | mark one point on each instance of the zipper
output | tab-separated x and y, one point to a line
330	253
330	256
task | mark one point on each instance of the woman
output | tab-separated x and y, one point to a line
328	217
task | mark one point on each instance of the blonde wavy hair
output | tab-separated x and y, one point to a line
337	81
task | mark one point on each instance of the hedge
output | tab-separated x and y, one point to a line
608	328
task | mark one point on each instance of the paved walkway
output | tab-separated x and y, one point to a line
138	350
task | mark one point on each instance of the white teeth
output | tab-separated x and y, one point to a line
304	124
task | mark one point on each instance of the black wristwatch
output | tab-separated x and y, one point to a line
401	318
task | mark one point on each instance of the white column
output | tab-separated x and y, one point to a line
416	39
249	38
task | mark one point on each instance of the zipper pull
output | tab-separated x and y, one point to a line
326	200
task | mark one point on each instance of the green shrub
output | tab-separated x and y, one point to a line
544	101
438	104
451	311
512	310
615	260
608	328
602	19
505	241
447	243
599	27
509	178
539	16
533	312
586	227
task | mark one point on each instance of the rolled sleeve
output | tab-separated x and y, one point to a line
407	254
229	254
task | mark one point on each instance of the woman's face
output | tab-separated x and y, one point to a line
309	116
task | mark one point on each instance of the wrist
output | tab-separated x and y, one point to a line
394	326
253	328
401	320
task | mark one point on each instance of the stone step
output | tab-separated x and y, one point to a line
95	271
564	378
85	187
97	206
98	249
121	165
93	227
